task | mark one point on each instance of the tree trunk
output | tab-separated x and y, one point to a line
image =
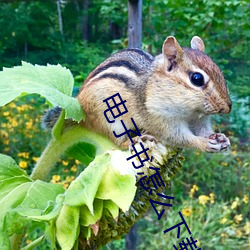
85	20
135	23
59	16
131	238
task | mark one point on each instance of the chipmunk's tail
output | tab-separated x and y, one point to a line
50	117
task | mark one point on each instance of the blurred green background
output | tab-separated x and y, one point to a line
212	191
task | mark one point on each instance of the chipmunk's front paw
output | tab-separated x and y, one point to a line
217	142
142	138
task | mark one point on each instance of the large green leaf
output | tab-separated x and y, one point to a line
118	188
9	168
21	199
53	82
83	152
67	226
106	178
83	189
86	218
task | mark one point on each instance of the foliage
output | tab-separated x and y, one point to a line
98	205
223	25
53	82
216	225
213	195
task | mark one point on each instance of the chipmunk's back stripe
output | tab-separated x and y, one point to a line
118	63
118	77
142	53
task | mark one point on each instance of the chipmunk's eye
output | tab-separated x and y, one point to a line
197	79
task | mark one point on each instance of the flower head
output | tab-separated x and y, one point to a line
203	199
23	164
186	211
238	218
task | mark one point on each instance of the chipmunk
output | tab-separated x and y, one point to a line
170	96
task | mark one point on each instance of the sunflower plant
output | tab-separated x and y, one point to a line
100	204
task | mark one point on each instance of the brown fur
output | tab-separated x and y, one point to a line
160	97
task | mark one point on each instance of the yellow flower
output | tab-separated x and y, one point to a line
223	220
23	164
203	199
192	190
234	152
12	105
55	178
186	211
70	178
211	195
35	159
224	164
77	162
73	168
65	163
65	185
198	243
247	228
4	134
238	218
6	141
24	155
14	123
235	203
238	159
238	233
245	199
6	113
29	124
6	149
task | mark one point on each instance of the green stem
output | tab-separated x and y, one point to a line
57	147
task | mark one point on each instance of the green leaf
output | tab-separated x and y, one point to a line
86	218
118	188
14	198
83	189
39	194
67	226
20	197
111	207
46	216
83	152
9	168
86	231
53	82
50	234
26	202
6	186
4	240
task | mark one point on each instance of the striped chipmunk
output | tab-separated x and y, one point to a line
170	96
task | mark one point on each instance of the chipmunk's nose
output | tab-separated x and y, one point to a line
227	108
230	106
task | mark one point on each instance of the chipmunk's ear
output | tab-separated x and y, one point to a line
197	43
171	49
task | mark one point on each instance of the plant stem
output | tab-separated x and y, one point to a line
57	147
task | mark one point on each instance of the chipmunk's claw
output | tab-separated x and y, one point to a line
142	138
218	142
